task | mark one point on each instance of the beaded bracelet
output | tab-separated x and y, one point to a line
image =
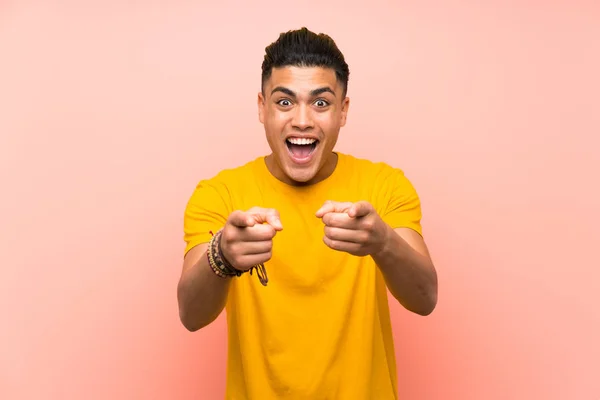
220	264
221	267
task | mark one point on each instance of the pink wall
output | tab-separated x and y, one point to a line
109	114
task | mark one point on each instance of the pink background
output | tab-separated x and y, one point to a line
110	114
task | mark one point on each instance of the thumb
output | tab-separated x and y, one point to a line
267	215
241	219
333	206
274	220
360	209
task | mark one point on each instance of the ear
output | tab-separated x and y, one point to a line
261	107
345	107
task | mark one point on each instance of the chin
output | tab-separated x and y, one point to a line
300	160
301	176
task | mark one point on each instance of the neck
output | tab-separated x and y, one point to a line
324	172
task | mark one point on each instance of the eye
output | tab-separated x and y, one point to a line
284	102
321	103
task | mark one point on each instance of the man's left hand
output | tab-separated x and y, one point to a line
355	228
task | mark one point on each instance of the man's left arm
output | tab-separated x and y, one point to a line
401	253
406	265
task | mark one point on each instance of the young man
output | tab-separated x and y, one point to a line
301	246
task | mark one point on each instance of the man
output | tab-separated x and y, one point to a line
301	246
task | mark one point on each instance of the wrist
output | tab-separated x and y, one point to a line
385	243
217	261
223	268
221	252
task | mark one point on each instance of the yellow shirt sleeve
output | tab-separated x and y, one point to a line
206	211
402	206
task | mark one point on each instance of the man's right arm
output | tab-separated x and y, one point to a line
201	293
246	241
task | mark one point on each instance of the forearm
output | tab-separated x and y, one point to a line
410	276
202	295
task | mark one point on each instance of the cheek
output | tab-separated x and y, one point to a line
274	131
329	123
276	121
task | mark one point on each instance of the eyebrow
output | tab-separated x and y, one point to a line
315	92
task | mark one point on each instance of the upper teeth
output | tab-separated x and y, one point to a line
301	141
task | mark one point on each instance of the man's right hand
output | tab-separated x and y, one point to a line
246	239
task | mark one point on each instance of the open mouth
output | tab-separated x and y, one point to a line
301	148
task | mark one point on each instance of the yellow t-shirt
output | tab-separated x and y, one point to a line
321	328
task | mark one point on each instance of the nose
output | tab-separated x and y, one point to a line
302	118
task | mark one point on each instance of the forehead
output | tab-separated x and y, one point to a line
303	79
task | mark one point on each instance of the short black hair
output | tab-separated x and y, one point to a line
303	48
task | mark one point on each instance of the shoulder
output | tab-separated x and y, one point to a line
230	176
375	170
393	194
215	191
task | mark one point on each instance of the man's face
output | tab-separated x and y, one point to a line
302	110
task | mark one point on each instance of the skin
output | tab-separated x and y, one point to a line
401	254
246	241
307	102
